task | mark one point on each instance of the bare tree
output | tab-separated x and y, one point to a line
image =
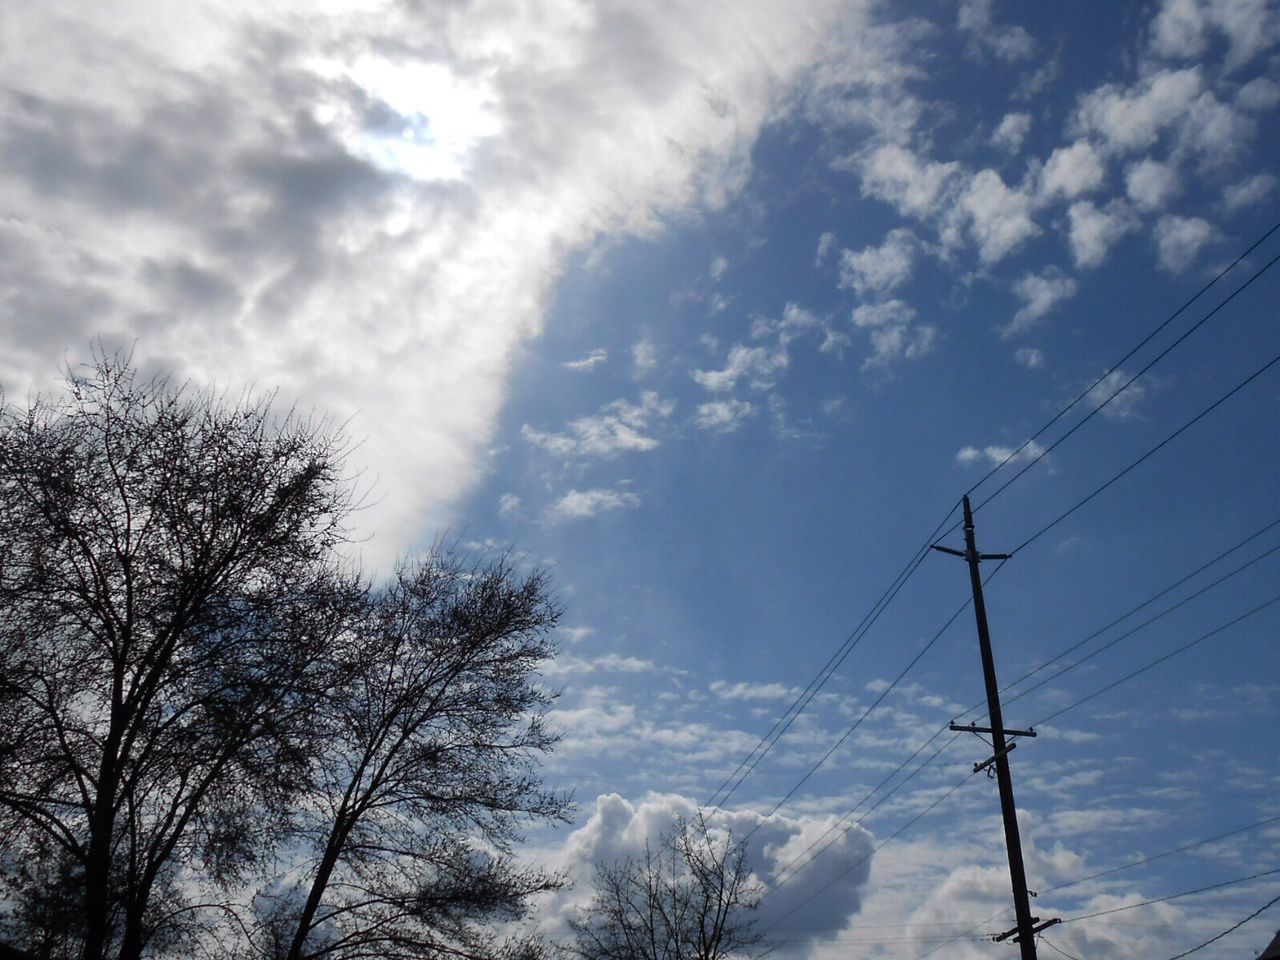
690	898
168	594
427	771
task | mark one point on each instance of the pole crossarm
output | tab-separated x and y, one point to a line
971	728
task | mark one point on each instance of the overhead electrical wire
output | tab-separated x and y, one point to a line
1041	454
789	716
1204	841
1150	452
1145	603
1231	929
1161	659
1172	896
730	784
1140	627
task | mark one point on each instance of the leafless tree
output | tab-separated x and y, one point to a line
690	898
427	771
168	597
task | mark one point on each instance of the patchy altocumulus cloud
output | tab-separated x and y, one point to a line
617	427
581	504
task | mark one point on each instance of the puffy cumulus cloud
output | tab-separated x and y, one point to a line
581	504
893	333
723	416
1179	240
1012	131
998	454
753	691
881	269
1093	231
756	365
999	218
914	187
1250	191
1008	42
1039	293
618	426
1151	184
1117	398
1183	29
1133	119
817	901
1071	171
365	204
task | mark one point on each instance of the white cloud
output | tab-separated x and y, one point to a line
1250	191
718	267
1182	29
644	356
890	313
1121	405
997	454
334	248
881	269
1259	94
592	359
1092	231
819	899
1039	294
1009	42
618	426
1012	131
755	364
1071	171
999	218
580	504
826	243
900	342
752	691
1029	357
508	504
1179	240
723	416
1151	184
895	175
1133	119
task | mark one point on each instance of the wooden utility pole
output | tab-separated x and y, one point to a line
1028	926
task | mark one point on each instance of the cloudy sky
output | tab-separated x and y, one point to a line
717	309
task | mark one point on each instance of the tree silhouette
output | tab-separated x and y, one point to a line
688	898
168	594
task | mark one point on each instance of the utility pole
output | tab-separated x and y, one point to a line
1028	926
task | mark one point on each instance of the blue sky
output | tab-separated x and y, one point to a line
717	310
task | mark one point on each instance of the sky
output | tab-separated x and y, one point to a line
715	310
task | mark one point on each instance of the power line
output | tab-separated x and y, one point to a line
1142	626
1115	366
874	850
1098	409
1108	872
1231	929
1182	429
1172	896
1145	603
879	700
788	717
1159	660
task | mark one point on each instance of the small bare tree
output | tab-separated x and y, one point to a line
690	898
